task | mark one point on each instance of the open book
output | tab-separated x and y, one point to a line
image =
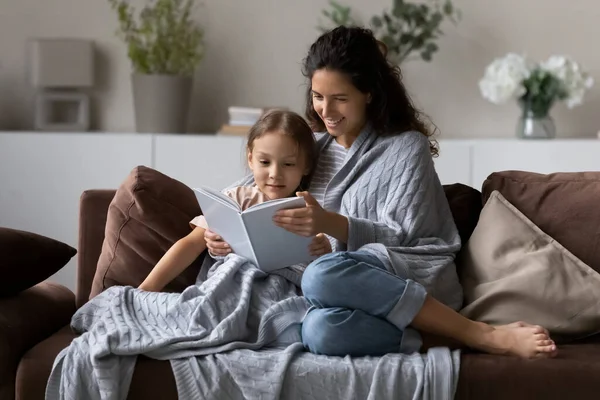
252	233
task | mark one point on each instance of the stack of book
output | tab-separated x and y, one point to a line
241	119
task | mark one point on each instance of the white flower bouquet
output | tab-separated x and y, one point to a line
535	86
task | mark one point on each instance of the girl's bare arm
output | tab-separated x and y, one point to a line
175	260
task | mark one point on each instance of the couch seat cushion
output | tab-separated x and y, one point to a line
573	374
25	320
152	379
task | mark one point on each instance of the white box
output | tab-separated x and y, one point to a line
62	63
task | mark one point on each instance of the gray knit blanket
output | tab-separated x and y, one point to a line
234	336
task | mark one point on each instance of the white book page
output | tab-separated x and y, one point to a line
226	222
290	202
218	196
273	246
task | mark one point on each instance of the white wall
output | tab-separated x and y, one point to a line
255	49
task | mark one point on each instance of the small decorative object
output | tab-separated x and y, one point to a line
164	46
536	88
61	70
411	29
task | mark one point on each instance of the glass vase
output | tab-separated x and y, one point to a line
535	121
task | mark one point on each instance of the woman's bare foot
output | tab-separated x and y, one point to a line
518	339
521	324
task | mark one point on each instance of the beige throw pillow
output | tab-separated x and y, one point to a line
512	271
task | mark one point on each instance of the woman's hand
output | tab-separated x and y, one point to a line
320	245
313	219
306	221
215	244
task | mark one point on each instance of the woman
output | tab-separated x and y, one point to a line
376	194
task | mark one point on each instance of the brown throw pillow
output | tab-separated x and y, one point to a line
512	271
27	259
564	205
149	213
465	205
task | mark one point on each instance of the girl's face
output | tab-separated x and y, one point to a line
277	164
341	106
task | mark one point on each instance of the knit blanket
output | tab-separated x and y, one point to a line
237	336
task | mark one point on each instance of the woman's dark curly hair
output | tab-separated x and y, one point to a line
358	54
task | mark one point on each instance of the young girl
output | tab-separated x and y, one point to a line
281	152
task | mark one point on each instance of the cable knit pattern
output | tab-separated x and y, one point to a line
397	209
236	333
236	311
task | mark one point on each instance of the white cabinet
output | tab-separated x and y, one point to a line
536	156
218	161
207	160
42	175
453	164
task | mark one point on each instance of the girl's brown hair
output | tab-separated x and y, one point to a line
291	124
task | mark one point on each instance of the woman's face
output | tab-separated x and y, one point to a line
341	106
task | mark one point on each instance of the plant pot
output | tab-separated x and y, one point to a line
161	102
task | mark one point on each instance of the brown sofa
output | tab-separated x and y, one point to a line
32	337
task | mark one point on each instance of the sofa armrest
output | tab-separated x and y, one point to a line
93	212
25	320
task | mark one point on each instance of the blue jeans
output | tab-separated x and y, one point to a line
358	307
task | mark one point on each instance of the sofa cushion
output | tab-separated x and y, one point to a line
564	205
27	259
465	205
148	214
25	320
571	375
512	271
152	379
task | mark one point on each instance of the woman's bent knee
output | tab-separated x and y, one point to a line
326	281
318	335
319	278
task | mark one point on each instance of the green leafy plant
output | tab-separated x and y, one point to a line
162	38
337	15
412	28
542	90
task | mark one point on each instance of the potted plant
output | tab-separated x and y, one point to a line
164	46
337	15
536	87
409	30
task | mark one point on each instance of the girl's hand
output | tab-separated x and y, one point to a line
306	221
320	245
215	244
